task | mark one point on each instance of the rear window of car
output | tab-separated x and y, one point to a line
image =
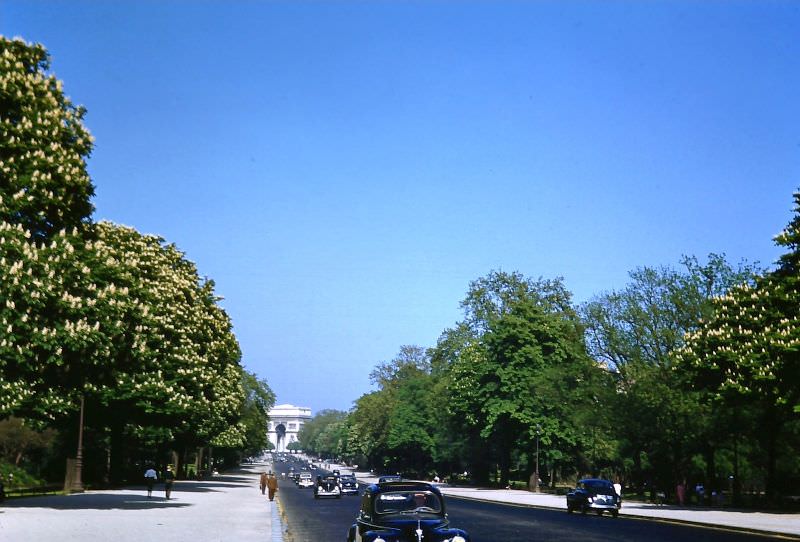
407	501
598	486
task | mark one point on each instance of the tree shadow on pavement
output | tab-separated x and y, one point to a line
95	501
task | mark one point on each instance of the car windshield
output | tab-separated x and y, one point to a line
598	486
397	502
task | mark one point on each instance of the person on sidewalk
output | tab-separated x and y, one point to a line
150	477
263	482
272	485
169	477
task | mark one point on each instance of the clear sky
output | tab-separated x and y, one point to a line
343	170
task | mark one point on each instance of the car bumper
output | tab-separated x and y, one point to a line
602	506
328	493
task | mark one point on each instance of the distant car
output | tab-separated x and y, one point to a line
594	494
348	484
305	480
327	486
403	511
389	478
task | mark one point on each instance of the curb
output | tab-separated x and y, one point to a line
675	521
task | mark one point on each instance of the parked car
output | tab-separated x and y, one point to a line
389	478
348	484
305	480
403	512
327	486
594	494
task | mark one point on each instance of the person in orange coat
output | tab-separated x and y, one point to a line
272	485
263	482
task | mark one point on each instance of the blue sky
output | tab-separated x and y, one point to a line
343	170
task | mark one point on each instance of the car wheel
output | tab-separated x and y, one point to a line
599	512
614	513
584	509
569	509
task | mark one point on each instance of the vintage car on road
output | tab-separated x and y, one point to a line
594	494
403	512
327	486
305	480
348	484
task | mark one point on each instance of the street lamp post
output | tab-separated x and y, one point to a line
77	483
536	472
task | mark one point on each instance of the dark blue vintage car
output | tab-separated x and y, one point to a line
403	512
596	495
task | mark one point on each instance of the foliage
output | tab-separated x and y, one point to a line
746	352
259	399
322	433
17	439
43	146
97	312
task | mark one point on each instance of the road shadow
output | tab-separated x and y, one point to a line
123	500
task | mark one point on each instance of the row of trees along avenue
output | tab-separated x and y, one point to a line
687	374
99	315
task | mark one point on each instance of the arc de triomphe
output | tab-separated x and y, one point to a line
285	421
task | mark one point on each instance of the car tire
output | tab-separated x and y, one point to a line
615	513
584	509
599	512
569	509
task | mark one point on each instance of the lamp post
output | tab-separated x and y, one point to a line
536	472
77	483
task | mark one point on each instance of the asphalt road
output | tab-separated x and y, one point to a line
311	520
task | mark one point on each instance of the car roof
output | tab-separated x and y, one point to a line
383	487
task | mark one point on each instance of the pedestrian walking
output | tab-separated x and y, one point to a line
150	477
272	485
169	477
263	482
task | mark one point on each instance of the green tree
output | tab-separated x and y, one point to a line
536	375
635	331
44	184
746	352
17	438
259	399
311	434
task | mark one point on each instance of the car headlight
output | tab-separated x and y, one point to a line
379	539
458	538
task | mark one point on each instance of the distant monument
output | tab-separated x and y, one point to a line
285	421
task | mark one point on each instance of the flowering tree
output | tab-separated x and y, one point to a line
748	351
98	312
176	372
43	146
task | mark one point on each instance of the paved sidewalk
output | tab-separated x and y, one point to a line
746	520
227	507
